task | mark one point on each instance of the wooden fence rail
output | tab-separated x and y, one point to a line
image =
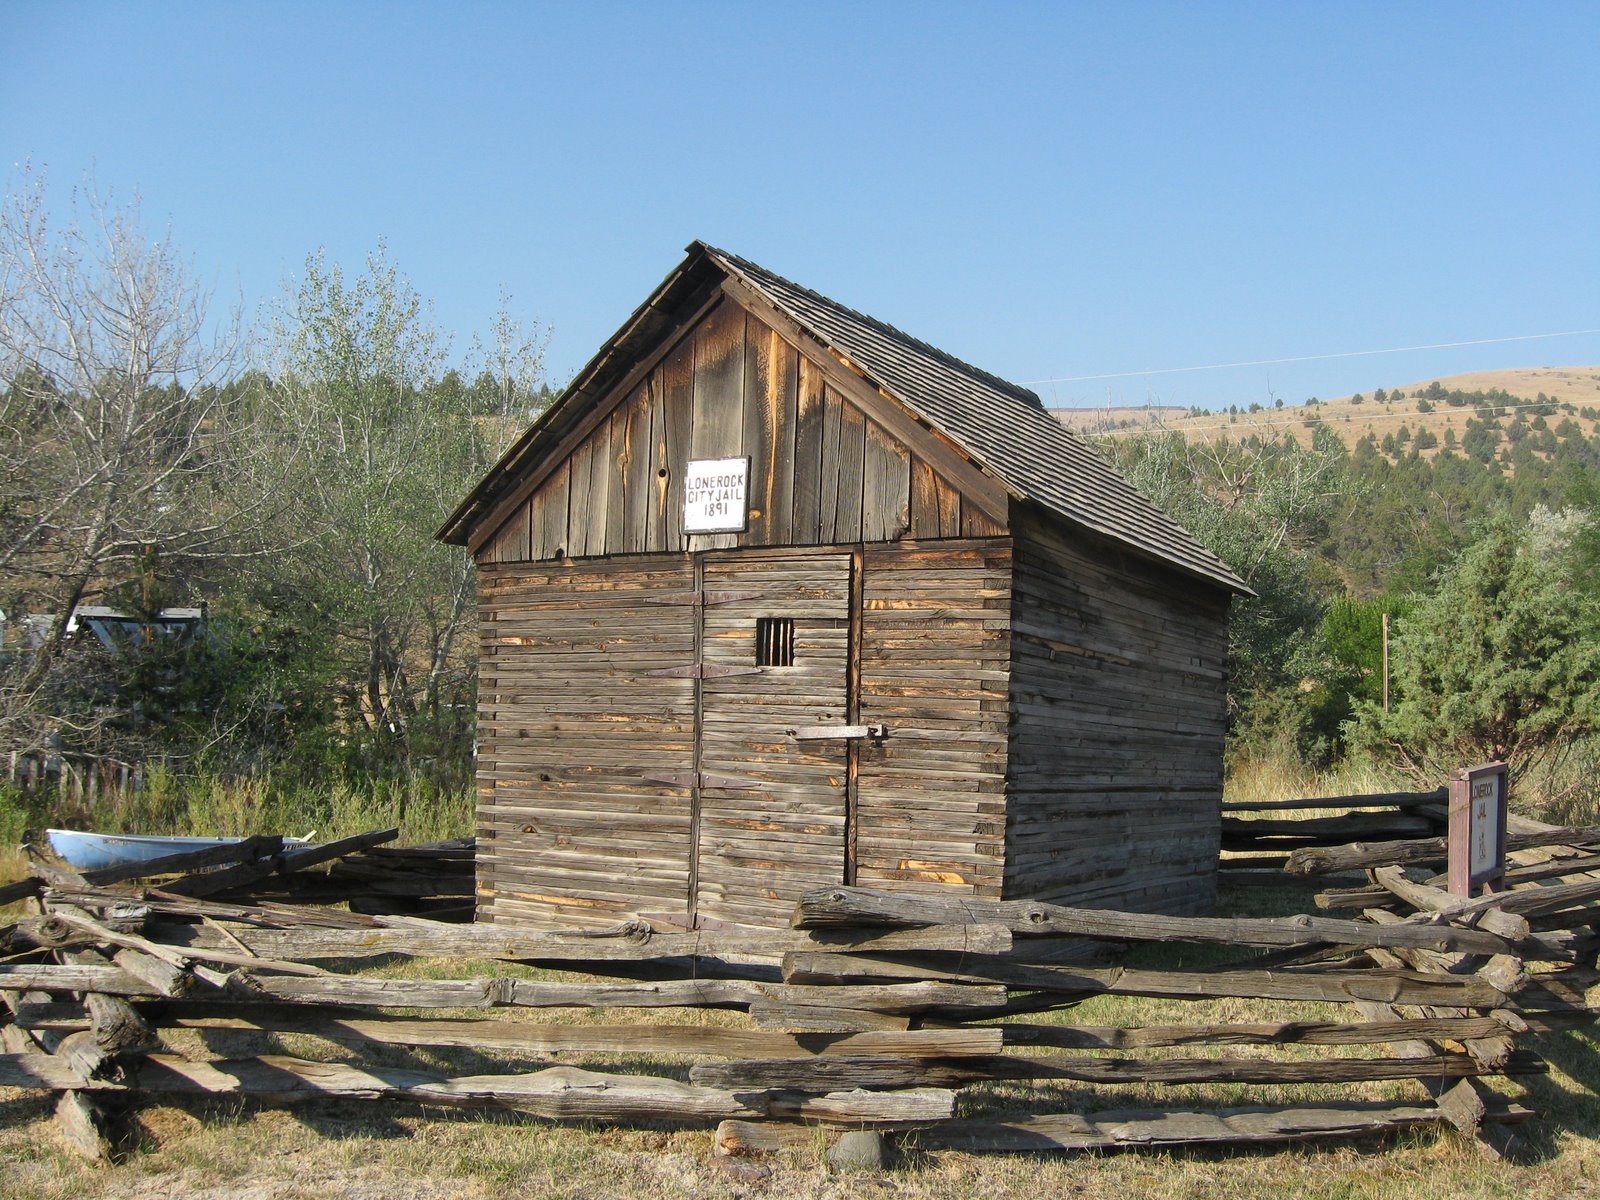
874	1010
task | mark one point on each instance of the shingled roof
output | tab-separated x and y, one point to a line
1001	425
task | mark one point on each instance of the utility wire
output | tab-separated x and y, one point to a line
1244	420
1268	362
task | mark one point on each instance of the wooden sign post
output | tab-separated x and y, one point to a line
1477	844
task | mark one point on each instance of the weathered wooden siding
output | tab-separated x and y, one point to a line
935	649
576	710
821	471
1118	682
570	716
1055	718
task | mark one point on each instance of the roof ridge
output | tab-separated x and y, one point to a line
1016	390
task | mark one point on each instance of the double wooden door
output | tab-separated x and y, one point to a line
649	737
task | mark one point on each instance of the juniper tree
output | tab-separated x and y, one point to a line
1501	659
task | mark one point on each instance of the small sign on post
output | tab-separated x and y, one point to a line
714	491
1477	843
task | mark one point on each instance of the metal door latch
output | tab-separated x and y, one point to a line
819	733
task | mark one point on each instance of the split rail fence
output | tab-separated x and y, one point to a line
877	1010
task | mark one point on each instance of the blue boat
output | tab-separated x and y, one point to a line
94	851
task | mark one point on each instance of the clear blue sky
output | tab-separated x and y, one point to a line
1045	189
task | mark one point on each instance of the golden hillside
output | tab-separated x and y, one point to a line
1353	420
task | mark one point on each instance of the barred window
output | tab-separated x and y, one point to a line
774	641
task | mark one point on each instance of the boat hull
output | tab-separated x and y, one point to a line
94	851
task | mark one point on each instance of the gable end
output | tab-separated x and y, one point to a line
833	461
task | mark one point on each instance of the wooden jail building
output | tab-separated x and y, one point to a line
775	596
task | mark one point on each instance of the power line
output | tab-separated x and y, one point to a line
1268	362
1190	425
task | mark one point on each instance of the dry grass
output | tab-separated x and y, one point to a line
346	1151
1578	386
233	1150
1277	779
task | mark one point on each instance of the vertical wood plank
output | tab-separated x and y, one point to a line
600	472
656	522
949	510
617	488
885	487
718	397
924	500
537	548
780	413
556	491
770	382
578	489
851	462
756	435
828	467
641	493
677	387
809	407
975	524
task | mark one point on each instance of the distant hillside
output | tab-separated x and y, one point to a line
1108	419
1575	391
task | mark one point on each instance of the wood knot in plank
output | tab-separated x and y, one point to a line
52	931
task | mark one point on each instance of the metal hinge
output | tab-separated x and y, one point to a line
702	779
702	671
700	597
819	733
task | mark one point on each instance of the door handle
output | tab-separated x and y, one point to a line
821	733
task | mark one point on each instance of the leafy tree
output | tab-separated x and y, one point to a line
392	445
1501	659
1351	633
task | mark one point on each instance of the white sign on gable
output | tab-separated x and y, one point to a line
714	491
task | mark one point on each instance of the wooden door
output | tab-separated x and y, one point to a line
771	820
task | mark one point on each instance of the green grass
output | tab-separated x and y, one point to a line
208	805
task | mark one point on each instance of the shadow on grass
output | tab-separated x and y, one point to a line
26	1106
1562	1107
911	1156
